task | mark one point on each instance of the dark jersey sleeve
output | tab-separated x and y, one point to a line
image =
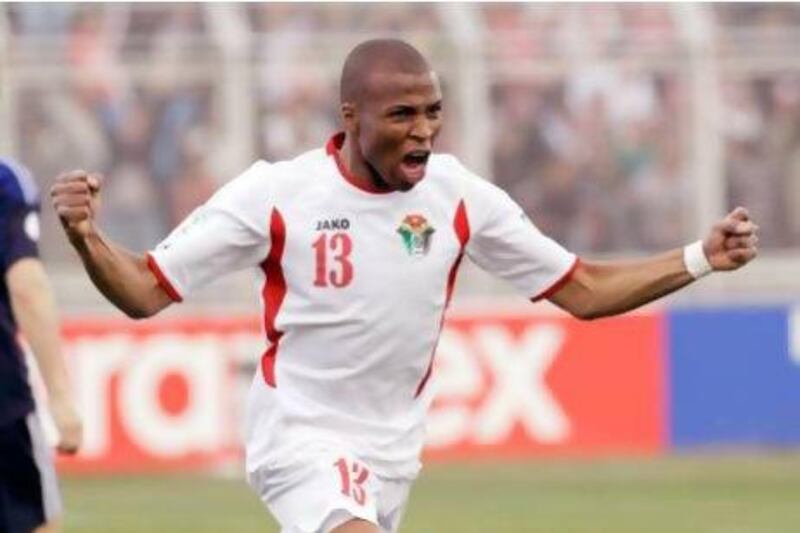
19	214
20	231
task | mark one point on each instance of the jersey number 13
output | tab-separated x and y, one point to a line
332	255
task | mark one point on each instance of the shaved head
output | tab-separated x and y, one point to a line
391	111
374	57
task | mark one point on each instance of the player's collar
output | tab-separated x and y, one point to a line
332	148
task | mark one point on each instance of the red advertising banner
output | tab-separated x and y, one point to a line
169	394
160	394
527	385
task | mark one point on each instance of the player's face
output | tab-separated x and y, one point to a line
398	121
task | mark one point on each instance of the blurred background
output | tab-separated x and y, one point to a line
622	129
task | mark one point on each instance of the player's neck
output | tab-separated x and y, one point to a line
357	168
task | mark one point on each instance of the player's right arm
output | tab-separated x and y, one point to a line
123	277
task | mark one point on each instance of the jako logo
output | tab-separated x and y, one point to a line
333	224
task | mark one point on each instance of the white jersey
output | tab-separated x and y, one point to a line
354	288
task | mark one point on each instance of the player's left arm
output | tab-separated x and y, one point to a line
598	289
34	309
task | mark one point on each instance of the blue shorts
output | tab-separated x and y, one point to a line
29	494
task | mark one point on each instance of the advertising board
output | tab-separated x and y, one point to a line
169	394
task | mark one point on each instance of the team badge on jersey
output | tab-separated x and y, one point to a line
31	226
416	234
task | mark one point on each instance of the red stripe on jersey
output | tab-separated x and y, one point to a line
560	282
332	148
461	228
162	280
273	292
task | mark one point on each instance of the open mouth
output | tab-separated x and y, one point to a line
413	164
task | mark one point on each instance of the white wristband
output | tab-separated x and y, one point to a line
696	261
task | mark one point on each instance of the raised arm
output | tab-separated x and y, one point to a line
35	312
123	277
597	289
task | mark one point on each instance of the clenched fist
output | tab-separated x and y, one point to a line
732	242
76	200
69	424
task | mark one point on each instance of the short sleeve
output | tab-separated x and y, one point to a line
226	234
20	226
19	213
505	242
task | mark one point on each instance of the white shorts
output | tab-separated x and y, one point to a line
321	490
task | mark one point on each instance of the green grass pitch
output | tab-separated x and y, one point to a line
708	494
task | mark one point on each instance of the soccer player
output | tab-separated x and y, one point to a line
29	498
358	245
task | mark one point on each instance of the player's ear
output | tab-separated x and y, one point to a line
349	115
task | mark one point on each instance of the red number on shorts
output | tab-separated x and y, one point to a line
341	245
353	486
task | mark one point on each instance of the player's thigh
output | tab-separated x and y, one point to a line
321	492
28	490
356	525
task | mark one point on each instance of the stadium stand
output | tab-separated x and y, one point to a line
599	138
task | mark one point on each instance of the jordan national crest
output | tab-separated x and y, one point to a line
416	234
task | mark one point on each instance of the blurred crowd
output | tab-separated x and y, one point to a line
762	140
595	158
590	135
761	129
86	106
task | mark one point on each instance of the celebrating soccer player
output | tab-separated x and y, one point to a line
358	245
